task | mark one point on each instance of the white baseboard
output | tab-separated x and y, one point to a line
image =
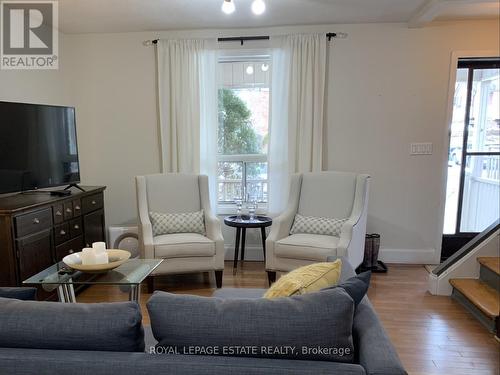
408	256
252	252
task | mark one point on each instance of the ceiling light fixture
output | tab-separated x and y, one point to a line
265	67
249	70
258	7
228	6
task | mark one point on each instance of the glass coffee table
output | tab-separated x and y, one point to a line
59	276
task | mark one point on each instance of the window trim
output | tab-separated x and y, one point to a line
248	158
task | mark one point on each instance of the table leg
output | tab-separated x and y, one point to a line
61	293
131	293
236	250
243	238
135	293
71	293
263	235
66	293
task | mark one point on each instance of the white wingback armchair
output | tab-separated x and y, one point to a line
338	195
182	252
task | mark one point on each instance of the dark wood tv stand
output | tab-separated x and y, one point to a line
37	230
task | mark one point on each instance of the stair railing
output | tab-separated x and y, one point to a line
467	248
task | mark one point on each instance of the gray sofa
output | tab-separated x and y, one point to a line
374	354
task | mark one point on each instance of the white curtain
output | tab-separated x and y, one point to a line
297	111
179	104
187	95
209	120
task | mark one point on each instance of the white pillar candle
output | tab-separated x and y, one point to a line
88	256
99	247
101	258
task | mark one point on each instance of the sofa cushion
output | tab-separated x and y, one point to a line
187	222
73	326
313	247
38	361
259	327
231	293
26	294
347	270
356	286
180	245
306	279
317	225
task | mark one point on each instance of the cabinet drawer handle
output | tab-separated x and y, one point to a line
77	208
94	203
58	213
62	232
76	226
70	251
68	210
36	220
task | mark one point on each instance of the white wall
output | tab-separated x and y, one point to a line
388	86
39	86
114	85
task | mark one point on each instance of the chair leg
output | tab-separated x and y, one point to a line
218	278
263	235
151	284
271	277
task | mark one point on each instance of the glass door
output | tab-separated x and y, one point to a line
473	188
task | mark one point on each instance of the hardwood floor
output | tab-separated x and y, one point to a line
432	334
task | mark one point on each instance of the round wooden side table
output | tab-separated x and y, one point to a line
241	223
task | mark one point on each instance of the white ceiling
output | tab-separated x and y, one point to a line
469	10
87	16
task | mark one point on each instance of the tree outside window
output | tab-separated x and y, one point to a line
243	111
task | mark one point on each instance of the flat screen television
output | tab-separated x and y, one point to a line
38	147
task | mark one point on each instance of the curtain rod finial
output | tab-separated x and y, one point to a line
150	42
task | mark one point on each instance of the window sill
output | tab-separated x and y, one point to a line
230	209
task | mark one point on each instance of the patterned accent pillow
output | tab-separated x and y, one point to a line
190	222
317	225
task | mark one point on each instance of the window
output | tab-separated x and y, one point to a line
243	130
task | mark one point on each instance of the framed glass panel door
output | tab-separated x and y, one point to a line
473	185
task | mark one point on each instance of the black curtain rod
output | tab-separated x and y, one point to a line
243	39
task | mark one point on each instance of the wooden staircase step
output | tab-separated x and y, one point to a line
492	263
484	297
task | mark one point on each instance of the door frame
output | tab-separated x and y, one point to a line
455	56
471	66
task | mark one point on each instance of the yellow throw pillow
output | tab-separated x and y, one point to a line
306	279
